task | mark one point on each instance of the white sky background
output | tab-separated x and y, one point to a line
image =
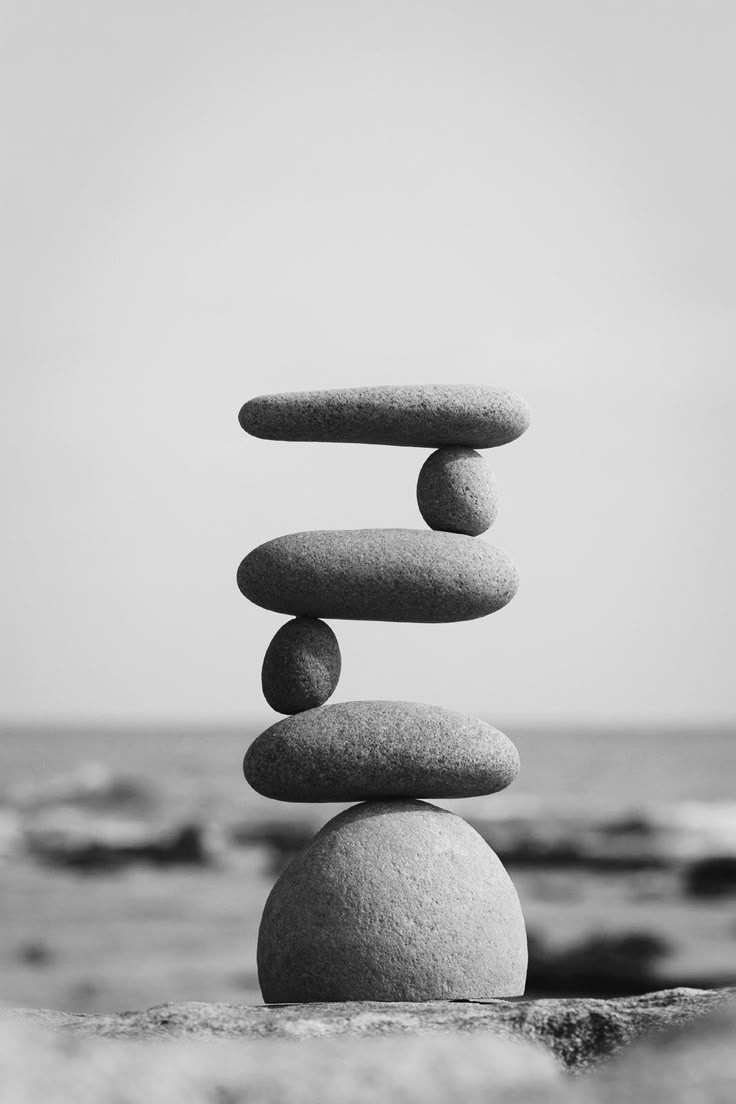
209	201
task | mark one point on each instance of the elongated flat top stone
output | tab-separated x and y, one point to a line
424	415
369	750
379	575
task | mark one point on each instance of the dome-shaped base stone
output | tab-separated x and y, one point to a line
393	901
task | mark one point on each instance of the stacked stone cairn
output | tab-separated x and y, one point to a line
394	899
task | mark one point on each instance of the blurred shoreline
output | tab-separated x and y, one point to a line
109	839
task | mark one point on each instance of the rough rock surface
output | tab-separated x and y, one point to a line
428	415
379	575
301	667
456	491
367	750
692	1063
38	1066
579	1031
393	900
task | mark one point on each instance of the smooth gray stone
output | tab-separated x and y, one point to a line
424	415
379	575
456	491
393	901
579	1031
368	750
301	667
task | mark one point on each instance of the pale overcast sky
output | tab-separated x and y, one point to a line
208	201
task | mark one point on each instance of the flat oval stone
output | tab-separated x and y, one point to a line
367	750
379	575
426	415
393	901
301	667
456	491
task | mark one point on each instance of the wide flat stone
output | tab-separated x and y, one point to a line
379	575
424	415
393	900
367	750
580	1031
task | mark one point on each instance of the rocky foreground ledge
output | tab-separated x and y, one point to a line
674	1046
578	1031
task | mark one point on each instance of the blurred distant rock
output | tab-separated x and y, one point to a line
671	836
712	877
90	785
79	841
604	964
11	832
579	1032
526	832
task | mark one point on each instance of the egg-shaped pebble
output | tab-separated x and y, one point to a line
456	491
379	575
367	750
393	901
301	667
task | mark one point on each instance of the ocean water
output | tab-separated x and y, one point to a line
197	771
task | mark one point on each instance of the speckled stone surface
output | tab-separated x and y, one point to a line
393	901
379	575
301	667
426	415
367	750
40	1066
581	1032
456	491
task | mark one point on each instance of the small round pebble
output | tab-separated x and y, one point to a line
456	491
301	667
393	901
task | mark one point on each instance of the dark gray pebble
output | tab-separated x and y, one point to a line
367	750
379	575
426	415
456	491
393	901
301	667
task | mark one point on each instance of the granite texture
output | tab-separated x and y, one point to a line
379	575
456	491
691	1063
38	1066
424	415
394	900
579	1031
361	750
301	667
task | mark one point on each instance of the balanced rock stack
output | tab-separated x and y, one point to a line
394	899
